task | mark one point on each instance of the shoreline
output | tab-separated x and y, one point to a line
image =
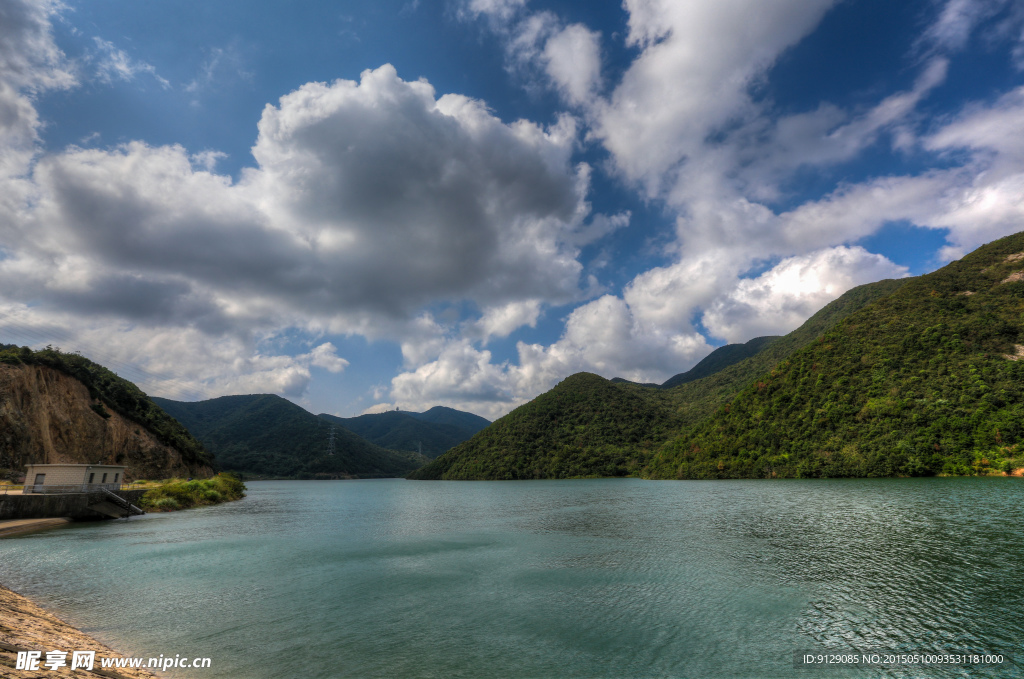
25	626
13	527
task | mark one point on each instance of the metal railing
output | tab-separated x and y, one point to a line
46	489
128	507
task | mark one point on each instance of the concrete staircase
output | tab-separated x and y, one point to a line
115	506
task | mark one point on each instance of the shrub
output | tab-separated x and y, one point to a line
166	504
179	494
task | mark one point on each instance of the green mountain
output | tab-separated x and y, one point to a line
924	381
720	359
585	426
431	433
696	400
589	426
266	435
457	418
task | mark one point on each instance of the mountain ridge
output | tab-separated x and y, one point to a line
925	381
521	444
431	433
719	359
267	435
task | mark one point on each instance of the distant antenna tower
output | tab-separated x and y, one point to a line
420	444
330	441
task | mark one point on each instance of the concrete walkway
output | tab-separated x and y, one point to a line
14	527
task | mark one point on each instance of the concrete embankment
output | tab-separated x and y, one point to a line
67	505
21	526
25	626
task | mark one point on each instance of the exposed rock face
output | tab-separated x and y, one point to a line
47	417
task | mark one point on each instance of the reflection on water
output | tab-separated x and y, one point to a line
603	578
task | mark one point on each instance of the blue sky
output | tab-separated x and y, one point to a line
365	205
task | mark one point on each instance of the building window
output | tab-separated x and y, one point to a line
115	476
92	477
104	479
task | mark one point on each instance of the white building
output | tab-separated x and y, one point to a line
72	478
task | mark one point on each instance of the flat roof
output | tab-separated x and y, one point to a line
58	464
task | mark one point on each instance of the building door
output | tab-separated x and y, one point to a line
40	479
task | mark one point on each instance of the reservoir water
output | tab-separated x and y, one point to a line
587	578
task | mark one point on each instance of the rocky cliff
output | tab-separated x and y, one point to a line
47	416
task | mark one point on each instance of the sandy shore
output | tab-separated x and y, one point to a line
27	627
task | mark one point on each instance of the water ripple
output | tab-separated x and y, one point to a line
596	578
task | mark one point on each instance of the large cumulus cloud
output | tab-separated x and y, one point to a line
369	201
373	196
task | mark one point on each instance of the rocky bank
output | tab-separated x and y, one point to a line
48	417
27	627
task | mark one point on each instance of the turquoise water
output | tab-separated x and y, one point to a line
588	578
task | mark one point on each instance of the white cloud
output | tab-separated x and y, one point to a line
221	64
501	10
325	356
692	77
994	128
461	377
572	59
113	63
781	299
371	199
30	63
603	336
412	198
502	321
765	154
957	21
568	55
599	227
185	363
608	336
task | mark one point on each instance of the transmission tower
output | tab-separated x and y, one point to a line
330	441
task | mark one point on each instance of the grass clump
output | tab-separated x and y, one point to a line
181	494
165	504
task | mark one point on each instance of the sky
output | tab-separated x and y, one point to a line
371	205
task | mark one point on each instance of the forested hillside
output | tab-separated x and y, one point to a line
432	432
585	426
266	435
925	381
589	426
